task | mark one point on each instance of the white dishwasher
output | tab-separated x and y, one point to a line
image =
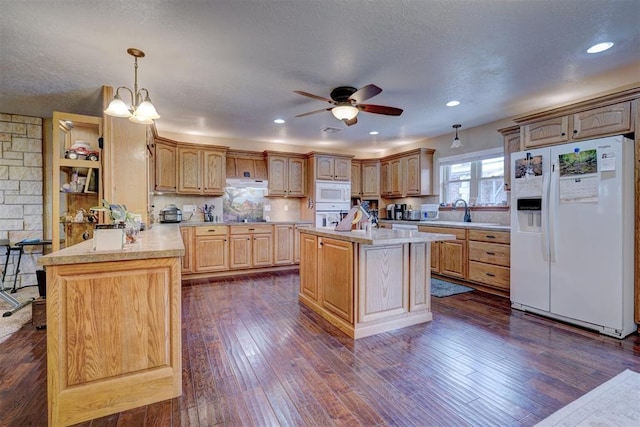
413	227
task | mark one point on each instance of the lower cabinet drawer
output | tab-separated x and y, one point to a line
491	275
491	253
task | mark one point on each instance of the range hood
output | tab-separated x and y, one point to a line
246	183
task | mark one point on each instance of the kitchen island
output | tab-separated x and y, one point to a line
366	283
113	326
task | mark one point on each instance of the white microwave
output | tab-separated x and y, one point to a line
333	192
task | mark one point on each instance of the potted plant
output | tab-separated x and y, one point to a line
121	218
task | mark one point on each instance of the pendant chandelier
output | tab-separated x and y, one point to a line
141	110
456	141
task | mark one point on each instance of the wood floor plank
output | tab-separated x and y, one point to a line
252	355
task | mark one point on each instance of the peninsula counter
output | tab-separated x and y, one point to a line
366	283
113	326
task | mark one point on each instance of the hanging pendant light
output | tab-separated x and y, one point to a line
456	141
141	110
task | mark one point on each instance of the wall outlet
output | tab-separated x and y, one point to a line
286	208
188	208
267	208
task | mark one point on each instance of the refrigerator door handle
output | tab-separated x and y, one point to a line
553	207
544	232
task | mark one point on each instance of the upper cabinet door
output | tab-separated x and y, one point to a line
278	175
165	166
296	177
190	170
214	172
325	168
370	179
356	179
546	132
342	169
609	120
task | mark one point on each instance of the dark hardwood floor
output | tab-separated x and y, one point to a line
253	356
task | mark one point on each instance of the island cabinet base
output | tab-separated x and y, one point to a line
365	289
113	337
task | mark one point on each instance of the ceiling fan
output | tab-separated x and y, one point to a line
346	101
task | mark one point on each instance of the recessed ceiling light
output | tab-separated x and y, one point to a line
278	121
600	47
374	132
453	103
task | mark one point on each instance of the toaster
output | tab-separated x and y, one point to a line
171	214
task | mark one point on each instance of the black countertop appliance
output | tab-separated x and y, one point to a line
171	214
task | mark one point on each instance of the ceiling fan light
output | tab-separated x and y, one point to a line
344	112
117	108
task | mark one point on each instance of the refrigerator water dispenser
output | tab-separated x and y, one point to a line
529	215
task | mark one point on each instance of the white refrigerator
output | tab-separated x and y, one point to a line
572	233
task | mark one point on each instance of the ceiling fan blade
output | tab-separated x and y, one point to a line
380	109
310	95
313	112
351	122
364	93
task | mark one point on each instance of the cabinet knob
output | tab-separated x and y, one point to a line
575	131
490	274
491	253
563	134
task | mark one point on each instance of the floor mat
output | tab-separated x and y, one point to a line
440	288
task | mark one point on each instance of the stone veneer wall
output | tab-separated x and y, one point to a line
21	191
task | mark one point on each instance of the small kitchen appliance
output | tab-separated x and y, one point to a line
391	211
400	209
171	214
429	212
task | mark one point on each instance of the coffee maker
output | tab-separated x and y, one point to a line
399	211
391	211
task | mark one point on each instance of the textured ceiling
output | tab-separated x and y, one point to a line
228	68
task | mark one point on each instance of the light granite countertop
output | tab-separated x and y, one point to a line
161	241
203	223
455	224
380	236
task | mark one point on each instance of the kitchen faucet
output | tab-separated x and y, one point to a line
467	214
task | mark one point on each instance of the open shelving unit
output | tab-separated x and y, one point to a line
84	177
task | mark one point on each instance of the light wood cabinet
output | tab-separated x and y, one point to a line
84	177
385	178
598	122
309	269
546	132
296	241
448	257
609	120
370	180
365	179
335	277
408	174
283	243
356	178
511	139
489	258
211	248
201	171
113	337
246	165
165	161
286	175
250	246
332	168
187	239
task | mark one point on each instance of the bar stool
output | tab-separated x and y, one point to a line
19	247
